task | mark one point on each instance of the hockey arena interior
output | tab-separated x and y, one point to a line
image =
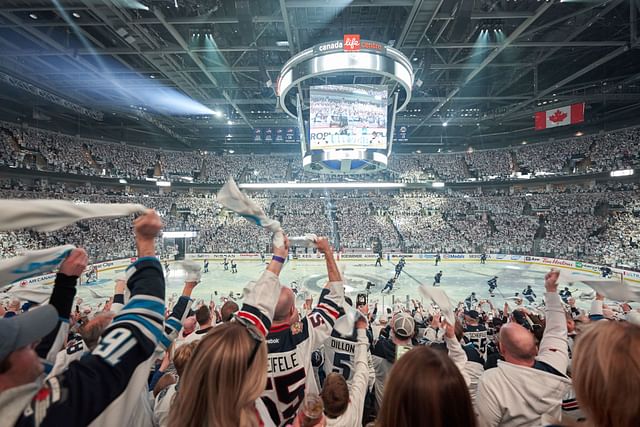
382	213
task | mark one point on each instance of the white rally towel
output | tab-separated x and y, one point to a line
614	289
37	294
233	199
441	299
49	215
306	241
32	263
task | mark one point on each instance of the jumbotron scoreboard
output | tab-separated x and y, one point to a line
345	129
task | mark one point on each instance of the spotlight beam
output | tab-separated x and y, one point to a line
494	54
184	45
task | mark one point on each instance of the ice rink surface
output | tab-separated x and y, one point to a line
459	279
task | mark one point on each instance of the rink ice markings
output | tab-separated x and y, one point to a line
460	278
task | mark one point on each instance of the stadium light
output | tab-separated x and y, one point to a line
437	184
163	184
312	185
623	172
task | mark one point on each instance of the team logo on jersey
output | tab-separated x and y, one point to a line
296	328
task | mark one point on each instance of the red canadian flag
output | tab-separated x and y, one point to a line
561	116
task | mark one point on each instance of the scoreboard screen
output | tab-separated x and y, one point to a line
348	117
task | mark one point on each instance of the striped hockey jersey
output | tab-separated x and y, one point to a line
290	374
103	388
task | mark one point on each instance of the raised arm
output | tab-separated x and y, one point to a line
322	243
116	369
320	322
553	346
64	291
261	296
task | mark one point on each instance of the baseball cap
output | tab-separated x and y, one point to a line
24	329
403	325
472	314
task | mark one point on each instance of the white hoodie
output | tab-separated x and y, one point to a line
514	395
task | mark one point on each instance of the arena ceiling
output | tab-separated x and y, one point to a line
94	66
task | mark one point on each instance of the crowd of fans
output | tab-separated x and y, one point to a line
35	148
597	225
146	360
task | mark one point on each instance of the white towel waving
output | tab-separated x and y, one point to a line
32	263
233	199
49	215
441	299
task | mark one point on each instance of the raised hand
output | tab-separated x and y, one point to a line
322	243
551	280
75	263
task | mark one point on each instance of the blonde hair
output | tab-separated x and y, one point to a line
606	373
217	389
182	356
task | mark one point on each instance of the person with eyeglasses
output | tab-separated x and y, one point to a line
226	374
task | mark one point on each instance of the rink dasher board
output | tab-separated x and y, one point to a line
583	267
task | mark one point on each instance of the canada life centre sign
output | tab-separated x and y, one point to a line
349	43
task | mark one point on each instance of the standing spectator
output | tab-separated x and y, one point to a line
13	309
343	403
226	374
528	383
385	350
104	385
204	317
428	388
606	373
291	345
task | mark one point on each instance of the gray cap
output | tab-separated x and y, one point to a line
403	325
21	330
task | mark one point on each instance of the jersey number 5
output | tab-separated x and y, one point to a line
286	395
340	367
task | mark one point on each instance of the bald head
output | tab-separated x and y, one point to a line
517	344
188	325
285	306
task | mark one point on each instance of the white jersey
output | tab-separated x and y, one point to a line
339	356
358	387
290	373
